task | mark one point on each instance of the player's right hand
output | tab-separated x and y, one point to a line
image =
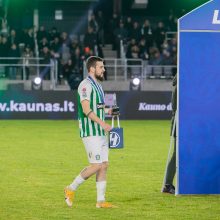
106	127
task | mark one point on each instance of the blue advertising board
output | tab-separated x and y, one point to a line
198	123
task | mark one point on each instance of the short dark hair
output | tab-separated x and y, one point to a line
91	61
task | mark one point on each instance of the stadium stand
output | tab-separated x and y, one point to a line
152	41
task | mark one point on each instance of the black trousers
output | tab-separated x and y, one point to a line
171	168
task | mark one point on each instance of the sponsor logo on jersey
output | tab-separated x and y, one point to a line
100	105
90	154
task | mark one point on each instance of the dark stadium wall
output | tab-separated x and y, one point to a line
75	16
20	13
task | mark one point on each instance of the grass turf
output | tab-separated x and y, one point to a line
39	158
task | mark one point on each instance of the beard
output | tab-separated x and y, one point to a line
99	77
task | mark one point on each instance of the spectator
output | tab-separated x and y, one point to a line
41	34
120	34
129	26
64	38
29	39
43	43
74	45
93	23
53	34
3	53
68	69
55	45
87	53
4	47
173	46
147	34
0	46
4	28
65	53
77	60
114	22
172	21
13	52
166	58
45	70
100	22
159	34
27	54
72	75
113	25
143	53
130	45
90	39
135	52
155	57
13	39
136	32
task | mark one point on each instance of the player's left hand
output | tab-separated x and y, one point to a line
115	111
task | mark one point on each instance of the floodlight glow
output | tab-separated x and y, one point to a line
37	81
136	81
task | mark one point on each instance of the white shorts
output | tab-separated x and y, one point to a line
96	148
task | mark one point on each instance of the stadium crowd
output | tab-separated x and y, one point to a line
142	38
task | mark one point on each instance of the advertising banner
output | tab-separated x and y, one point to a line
37	105
63	105
198	153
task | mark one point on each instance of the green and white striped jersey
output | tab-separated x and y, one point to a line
92	91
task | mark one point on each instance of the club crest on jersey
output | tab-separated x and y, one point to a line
97	157
84	94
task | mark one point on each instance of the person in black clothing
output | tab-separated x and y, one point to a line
93	23
43	43
159	34
129	26
171	168
4	46
13	52
136	32
90	39
53	34
120	34
68	69
143	53
29	39
113	25
41	34
27	54
55	45
45	70
100	32
72	75
77	60
147	34
13	38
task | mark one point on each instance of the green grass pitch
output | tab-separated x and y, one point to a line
39	158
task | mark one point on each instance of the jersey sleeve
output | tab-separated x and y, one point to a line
85	90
